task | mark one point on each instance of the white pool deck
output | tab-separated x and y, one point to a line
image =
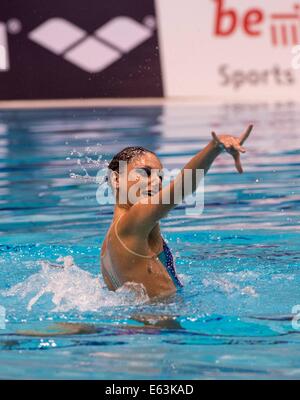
122	102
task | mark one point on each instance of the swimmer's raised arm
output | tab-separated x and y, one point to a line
145	216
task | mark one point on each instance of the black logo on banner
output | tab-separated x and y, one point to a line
77	49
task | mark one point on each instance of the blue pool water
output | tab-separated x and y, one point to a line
240	262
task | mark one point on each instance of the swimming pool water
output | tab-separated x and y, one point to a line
240	262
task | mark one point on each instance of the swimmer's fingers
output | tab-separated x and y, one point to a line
235	146
235	149
246	134
237	160
215	137
230	143
217	140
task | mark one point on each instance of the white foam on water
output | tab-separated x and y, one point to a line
231	283
73	288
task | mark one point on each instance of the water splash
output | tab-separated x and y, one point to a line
89	159
72	288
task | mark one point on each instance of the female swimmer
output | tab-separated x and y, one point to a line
134	250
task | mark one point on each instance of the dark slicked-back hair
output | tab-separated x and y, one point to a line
127	155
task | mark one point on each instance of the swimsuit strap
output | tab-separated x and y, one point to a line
127	248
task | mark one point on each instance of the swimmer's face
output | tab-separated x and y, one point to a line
143	178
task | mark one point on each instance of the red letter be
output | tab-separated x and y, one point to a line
224	15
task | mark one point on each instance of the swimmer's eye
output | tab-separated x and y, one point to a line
146	169
148	172
161	175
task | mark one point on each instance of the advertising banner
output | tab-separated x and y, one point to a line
230	49
78	49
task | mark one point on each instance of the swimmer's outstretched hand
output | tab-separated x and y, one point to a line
233	145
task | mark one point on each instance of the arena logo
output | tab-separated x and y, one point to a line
12	26
284	28
91	53
4	59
